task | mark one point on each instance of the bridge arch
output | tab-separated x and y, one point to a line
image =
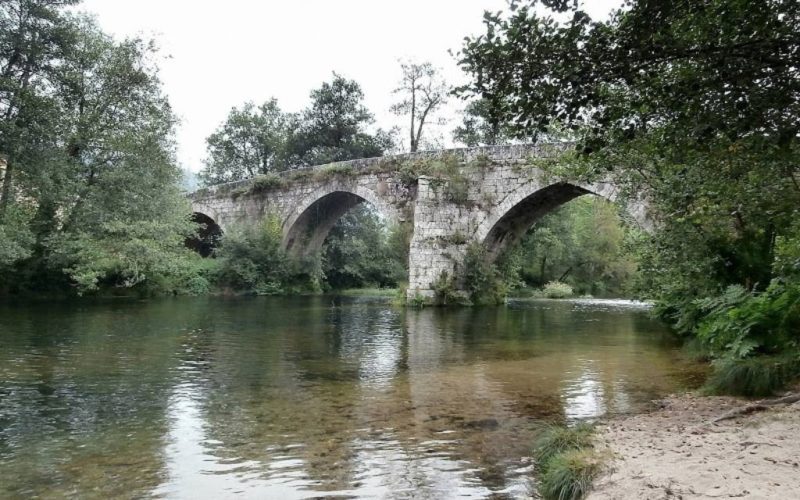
520	210
208	234
307	227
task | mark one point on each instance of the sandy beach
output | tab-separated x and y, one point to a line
677	451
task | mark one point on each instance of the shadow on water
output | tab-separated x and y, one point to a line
309	396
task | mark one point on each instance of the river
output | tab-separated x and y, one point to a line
309	397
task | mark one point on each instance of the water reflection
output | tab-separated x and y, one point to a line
583	396
301	398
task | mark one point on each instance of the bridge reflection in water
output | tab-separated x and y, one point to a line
297	398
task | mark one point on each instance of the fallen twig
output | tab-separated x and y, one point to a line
758	406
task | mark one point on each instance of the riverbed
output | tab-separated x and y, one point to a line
312	396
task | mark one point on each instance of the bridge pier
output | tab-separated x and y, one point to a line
442	231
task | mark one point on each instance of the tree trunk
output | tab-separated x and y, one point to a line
5	195
541	269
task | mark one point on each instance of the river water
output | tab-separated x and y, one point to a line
309	397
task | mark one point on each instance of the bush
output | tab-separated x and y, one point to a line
482	280
266	182
251	259
557	290
755	376
740	323
446	292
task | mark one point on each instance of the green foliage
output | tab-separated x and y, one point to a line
252	141
251	258
333	127
444	289
650	64
482	280
478	127
359	252
417	301
584	244
121	255
739	323
334	171
557	290
566	461
754	376
267	182
755	338
260	141
555	440
16	237
90	196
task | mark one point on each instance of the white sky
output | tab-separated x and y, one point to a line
219	54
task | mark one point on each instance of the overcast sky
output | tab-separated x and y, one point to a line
219	54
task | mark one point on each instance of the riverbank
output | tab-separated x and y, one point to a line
677	451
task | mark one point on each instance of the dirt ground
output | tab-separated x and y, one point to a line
677	452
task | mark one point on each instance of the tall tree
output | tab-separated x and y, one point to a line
478	127
251	141
122	219
422	92
95	184
334	126
33	39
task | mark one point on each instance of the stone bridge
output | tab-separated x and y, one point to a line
451	198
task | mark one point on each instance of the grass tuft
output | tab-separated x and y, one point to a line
566	461
557	439
569	475
756	376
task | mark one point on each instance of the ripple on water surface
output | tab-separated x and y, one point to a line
301	398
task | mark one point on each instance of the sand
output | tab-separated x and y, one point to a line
676	452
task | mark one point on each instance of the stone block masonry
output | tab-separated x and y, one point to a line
452	198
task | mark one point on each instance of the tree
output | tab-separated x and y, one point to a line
359	252
422	93
250	142
478	127
34	37
95	193
334	126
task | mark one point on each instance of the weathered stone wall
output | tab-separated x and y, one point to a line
489	195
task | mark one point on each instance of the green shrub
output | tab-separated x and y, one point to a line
753	337
445	289
266	182
557	290
740	323
251	259
754	376
332	171
482	280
